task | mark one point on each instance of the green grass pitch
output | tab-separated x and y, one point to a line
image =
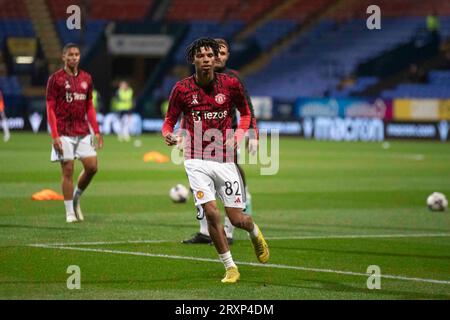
332	210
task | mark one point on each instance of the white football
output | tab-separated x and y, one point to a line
437	202
179	193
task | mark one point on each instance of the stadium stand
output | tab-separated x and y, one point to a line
100	13
93	30
13	9
114	10
439	77
436	86
10	86
249	10
213	10
302	9
272	31
14	20
211	28
217	10
360	84
15	28
407	90
391	8
343	46
342	42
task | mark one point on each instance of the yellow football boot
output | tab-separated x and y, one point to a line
261	247
232	275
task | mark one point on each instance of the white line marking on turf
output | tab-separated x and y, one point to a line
345	236
279	266
95	243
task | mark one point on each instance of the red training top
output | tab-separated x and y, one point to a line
207	115
69	104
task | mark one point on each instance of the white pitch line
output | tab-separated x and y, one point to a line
95	243
279	266
337	236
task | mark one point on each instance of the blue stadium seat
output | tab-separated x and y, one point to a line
341	47
270	32
439	77
10	86
212	29
438	91
15	28
92	32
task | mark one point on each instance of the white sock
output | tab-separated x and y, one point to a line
204	227
227	260
255	232
229	228
69	207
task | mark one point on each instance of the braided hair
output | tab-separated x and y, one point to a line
195	46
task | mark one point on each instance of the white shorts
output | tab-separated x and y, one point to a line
74	148
207	178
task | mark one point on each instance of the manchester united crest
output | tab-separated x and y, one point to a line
220	98
200	195
84	85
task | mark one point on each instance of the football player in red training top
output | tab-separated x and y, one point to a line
206	100
70	112
220	66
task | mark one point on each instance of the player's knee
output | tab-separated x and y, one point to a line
91	169
67	173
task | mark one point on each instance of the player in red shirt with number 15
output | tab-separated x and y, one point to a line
70	112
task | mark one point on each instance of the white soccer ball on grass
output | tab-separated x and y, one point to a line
437	202
179	193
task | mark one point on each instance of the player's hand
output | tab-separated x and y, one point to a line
253	146
180	143
170	139
57	145
99	141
